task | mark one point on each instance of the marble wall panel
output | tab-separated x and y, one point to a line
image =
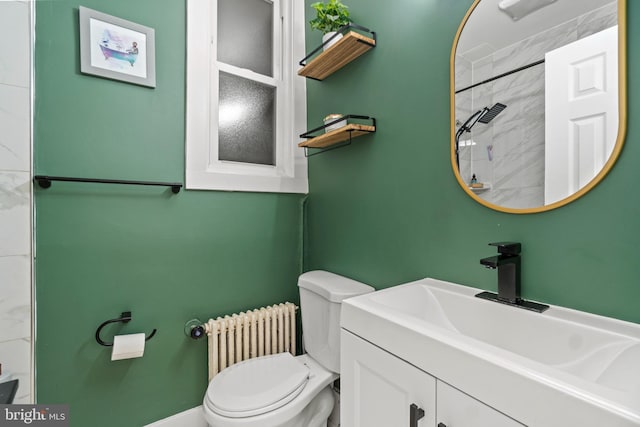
14	43
15	297
15	221
598	20
15	194
15	153
16	359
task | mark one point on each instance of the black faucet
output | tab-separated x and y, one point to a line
508	264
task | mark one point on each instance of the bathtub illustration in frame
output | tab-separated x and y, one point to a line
116	49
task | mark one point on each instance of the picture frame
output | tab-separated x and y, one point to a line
116	49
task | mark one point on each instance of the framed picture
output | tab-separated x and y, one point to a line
116	49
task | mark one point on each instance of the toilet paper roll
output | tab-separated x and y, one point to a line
128	346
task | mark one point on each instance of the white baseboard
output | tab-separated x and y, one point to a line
190	418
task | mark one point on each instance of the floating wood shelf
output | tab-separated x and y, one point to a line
337	136
345	50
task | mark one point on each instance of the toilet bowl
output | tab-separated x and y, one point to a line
281	390
253	396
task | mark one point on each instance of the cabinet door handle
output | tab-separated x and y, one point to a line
415	415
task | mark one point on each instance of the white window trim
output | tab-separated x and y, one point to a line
203	170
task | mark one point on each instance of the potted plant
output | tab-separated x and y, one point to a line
330	17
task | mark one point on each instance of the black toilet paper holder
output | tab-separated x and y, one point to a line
125	317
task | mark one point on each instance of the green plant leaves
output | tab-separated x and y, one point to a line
330	16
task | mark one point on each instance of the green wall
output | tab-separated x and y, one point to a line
387	209
103	249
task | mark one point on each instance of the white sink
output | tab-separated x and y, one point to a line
589	362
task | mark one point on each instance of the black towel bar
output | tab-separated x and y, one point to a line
45	182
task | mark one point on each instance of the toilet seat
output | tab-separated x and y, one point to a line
257	386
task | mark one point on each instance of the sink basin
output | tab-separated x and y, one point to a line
581	349
593	359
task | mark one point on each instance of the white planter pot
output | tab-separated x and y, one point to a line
327	36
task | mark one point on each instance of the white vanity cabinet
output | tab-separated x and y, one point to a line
492	364
457	409
379	389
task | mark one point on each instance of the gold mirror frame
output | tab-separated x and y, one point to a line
622	115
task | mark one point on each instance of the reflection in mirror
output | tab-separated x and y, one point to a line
536	100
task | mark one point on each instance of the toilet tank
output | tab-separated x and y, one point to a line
321	295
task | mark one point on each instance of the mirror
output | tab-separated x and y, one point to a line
538	102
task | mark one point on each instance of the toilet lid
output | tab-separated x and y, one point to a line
257	386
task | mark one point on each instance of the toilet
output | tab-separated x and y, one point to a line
281	390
